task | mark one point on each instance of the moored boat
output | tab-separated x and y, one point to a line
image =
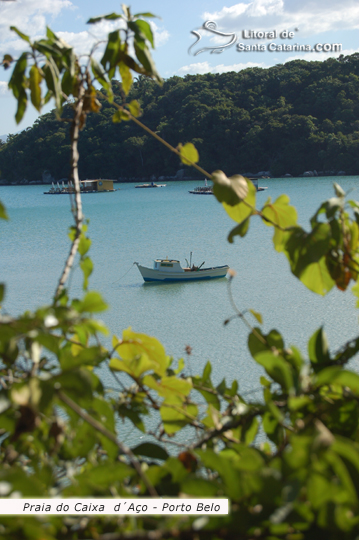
171	270
151	185
86	186
202	190
255	182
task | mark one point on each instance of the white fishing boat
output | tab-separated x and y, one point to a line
171	270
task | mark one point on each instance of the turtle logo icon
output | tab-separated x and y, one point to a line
210	26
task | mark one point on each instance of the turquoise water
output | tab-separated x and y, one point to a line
140	225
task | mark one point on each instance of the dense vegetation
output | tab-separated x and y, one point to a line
287	119
288	463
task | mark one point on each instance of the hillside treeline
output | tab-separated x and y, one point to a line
286	119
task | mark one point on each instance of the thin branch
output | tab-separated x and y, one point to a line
104	431
74	176
241	315
211	434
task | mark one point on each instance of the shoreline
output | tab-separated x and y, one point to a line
176	179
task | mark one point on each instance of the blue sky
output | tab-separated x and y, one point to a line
311	21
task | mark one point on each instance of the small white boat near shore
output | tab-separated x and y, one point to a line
166	270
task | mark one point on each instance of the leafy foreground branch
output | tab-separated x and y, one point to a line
288	463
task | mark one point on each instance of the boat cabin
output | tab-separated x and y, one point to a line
167	265
94	186
97	185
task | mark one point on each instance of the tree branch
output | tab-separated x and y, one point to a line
104	431
74	176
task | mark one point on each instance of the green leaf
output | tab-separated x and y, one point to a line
230	190
146	14
91	303
150	450
20	34
250	431
135	108
239	230
145	31
67	83
281	214
337	375
77	385
135	367
51	35
224	466
199	487
102	477
256	315
101	77
188	153
181	365
249	458
210	397
81	356
264	382
170	387
18	80
277	368
242	211
110	56
176	415
110	17
52	77
318	348
306	254
2	291
18	83
146	60
21	106
120	115
259	342
3	214
134	345
206	376
84	245
86	266
296	403
126	77
316	278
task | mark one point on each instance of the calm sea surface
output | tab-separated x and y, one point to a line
140	225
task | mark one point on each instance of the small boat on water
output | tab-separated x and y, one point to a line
202	190
171	270
86	186
255	182
151	185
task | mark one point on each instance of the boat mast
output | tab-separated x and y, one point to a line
190	259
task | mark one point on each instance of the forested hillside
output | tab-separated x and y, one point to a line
286	119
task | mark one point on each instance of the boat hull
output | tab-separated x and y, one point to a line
201	192
82	192
149	274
